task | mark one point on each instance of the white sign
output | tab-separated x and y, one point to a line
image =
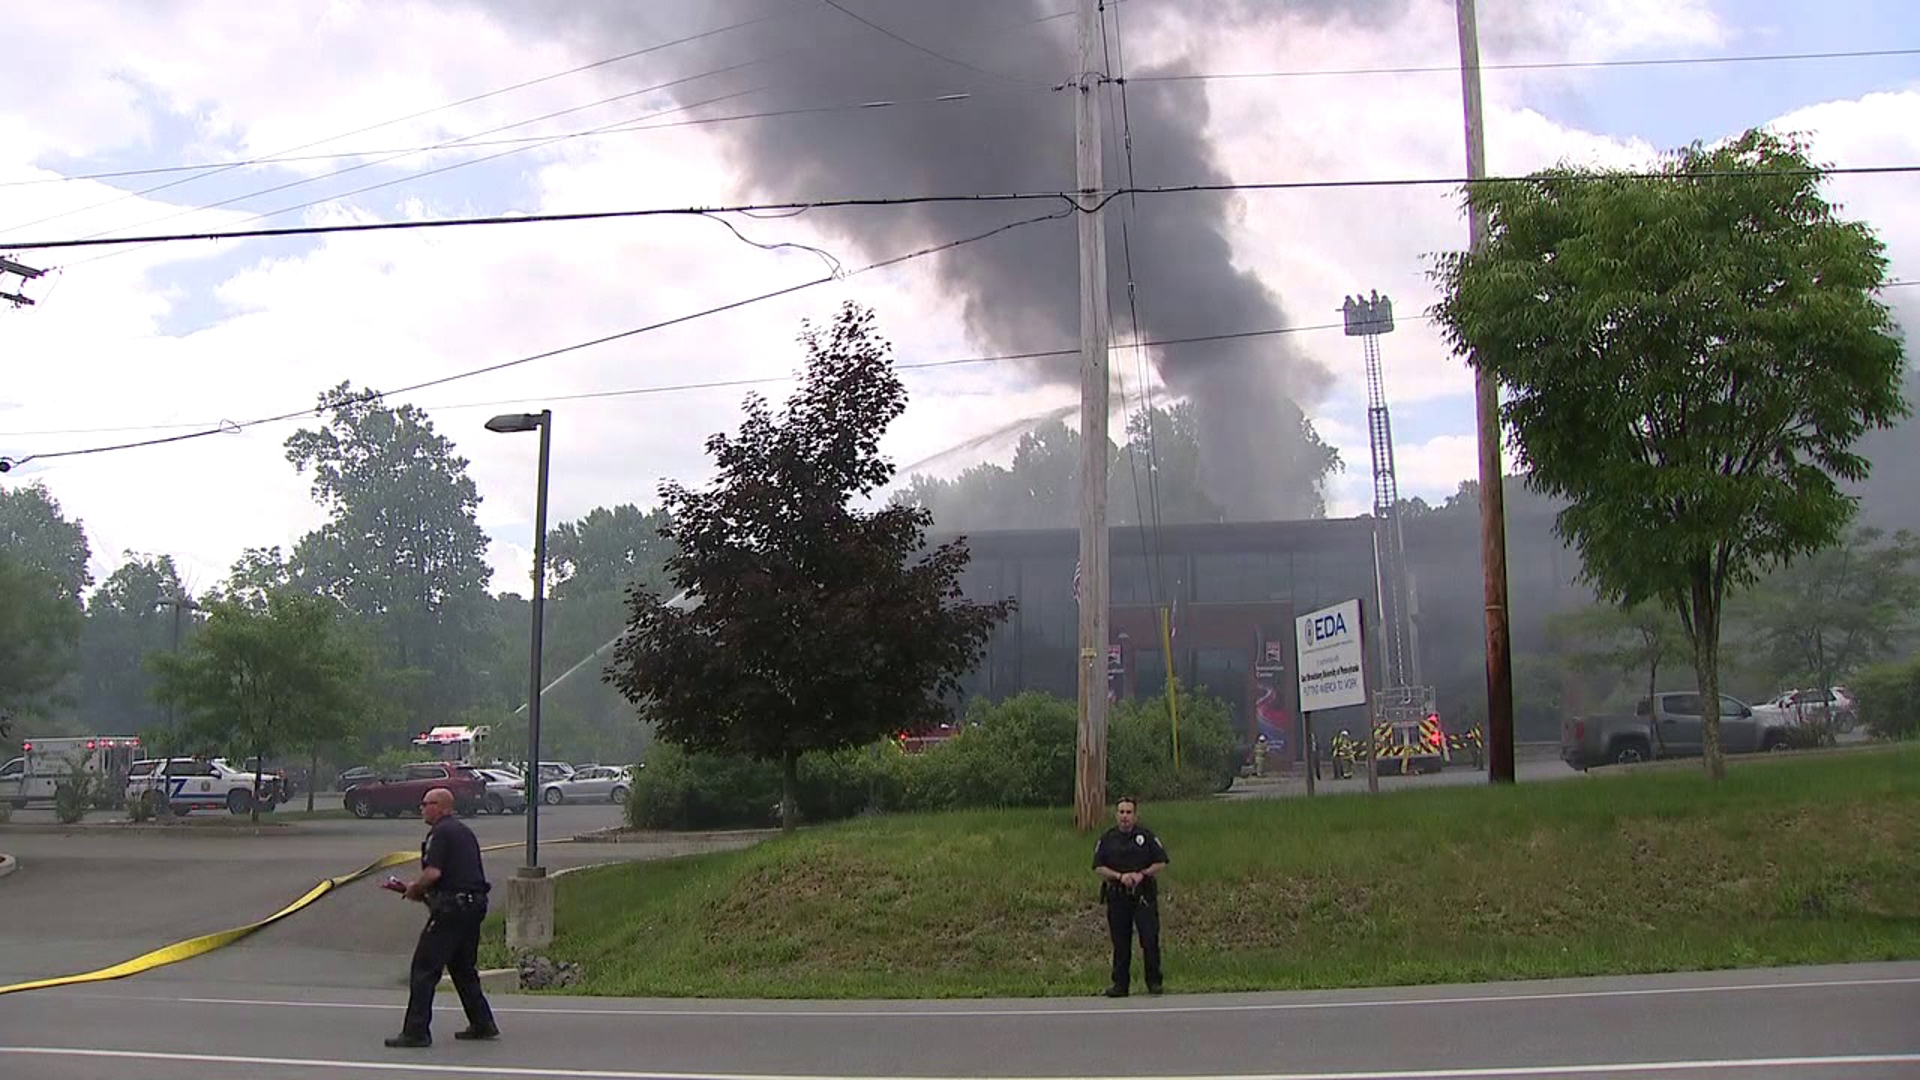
1327	645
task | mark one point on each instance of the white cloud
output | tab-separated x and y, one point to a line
391	309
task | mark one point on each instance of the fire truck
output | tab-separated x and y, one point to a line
1407	734
463	744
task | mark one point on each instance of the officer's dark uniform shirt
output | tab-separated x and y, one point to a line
1130	853
455	851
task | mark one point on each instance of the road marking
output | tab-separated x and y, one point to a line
1071	1010
1488	1073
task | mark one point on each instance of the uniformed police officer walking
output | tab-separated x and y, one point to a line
1128	860
454	887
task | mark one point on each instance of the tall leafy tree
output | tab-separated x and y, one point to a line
38	533
1827	615
402	548
43	581
39	629
125	623
818	626
261	683
1689	361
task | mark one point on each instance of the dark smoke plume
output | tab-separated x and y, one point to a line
1018	291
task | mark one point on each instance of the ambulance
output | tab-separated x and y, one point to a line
46	763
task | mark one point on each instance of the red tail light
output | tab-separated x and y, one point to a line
26	748
90	745
1579	730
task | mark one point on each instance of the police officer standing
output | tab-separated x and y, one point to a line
1128	860
453	886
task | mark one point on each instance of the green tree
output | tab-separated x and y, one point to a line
261	683
38	533
124	624
39	630
1825	616
818	627
1635	641
401	549
1689	361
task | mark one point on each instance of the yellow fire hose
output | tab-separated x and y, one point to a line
206	943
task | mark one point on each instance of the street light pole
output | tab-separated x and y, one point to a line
509	424
539	628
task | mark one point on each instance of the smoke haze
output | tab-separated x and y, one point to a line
1018	291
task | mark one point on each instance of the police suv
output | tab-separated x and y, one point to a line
192	784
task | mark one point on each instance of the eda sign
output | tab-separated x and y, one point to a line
1329	651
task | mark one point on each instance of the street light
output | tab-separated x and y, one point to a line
512	424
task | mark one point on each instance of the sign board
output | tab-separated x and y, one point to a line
1328	648
1115	664
1274	656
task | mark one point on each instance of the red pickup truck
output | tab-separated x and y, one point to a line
391	796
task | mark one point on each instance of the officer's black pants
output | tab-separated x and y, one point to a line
1124	912
450	943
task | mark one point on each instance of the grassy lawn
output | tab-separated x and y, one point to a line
1788	862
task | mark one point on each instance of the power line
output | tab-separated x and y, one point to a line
292	155
1147	508
917	47
421	175
228	427
623	128
217	169
922	200
1535	65
221	426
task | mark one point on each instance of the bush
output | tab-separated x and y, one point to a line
1889	698
1140	748
1016	753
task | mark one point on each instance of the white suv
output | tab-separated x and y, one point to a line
192	784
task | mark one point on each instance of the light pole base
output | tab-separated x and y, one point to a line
529	909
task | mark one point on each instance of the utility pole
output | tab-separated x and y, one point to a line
1493	502
1090	761
22	271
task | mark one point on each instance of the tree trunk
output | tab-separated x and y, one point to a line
313	773
1706	665
789	781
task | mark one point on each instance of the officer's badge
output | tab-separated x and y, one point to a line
1140	839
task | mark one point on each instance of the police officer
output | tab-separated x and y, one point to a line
1128	860
453	886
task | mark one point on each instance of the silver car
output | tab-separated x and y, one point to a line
506	792
602	782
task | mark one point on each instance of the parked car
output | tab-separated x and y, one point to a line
506	791
1806	705
359	774
608	782
1672	725
191	784
400	793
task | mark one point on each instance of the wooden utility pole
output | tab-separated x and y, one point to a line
1090	761
1493	508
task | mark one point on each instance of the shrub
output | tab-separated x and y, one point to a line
1140	748
1889	698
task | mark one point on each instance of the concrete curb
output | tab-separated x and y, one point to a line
1735	761
492	980
619	834
265	828
8	864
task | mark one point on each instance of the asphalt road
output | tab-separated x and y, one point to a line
91	898
1852	1022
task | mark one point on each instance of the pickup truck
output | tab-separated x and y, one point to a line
400	793
1673	726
